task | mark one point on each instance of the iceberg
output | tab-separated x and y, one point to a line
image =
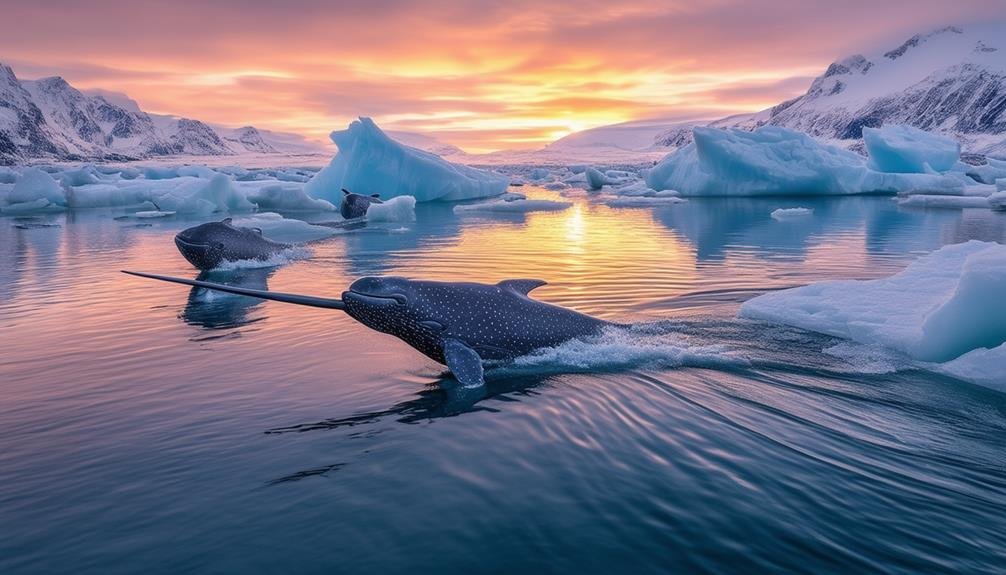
400	209
904	149
943	307
286	198
35	184
778	161
370	162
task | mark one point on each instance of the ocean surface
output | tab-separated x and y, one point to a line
149	428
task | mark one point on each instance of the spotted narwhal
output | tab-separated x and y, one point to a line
356	205
208	245
454	323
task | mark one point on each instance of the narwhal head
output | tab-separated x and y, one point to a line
206	245
392	304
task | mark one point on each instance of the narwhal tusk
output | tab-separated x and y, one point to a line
329	303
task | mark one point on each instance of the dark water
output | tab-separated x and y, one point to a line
144	428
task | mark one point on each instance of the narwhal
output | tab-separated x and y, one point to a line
458	324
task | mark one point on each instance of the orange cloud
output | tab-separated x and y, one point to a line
483	75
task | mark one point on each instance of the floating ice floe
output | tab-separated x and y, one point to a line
942	309
287	198
370	162
513	206
284	230
777	161
904	149
787	213
400	209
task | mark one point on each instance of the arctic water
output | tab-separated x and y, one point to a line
147	427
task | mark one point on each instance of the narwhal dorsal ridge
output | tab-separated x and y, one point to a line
521	286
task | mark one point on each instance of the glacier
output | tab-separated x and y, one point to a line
943	308
371	162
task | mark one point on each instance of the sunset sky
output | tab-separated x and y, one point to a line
481	75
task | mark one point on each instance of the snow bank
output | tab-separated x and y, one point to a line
514	206
904	149
786	213
945	306
777	161
370	162
400	209
288	199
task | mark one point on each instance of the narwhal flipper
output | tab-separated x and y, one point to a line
329	303
464	363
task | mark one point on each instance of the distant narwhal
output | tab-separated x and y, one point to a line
206	246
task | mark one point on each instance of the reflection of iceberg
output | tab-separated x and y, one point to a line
218	310
370	162
713	225
370	250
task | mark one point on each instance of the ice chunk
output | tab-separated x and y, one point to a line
35	184
285	230
107	196
940	307
988	173
539	174
514	206
370	162
556	186
400	209
904	149
786	213
197	172
79	177
595	179
39	205
199	196
160	173
288	199
982	366
7	175
778	161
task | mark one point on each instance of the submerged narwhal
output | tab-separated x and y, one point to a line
356	205
458	324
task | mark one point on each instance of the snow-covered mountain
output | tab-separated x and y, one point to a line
49	118
950	81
